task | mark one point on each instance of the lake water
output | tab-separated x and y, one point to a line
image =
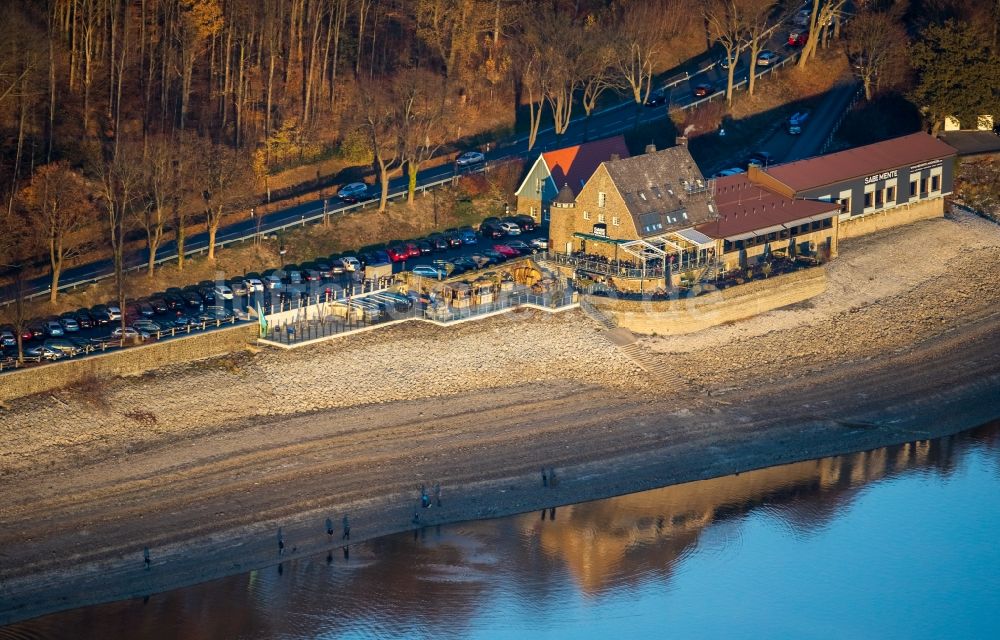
900	542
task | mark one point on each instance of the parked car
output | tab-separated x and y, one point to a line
131	333
526	222
491	229
193	300
468	236
182	321
67	347
506	250
350	263
495	256
397	253
462	264
146	309
174	301
521	247
207	294
43	352
425	247
438	242
215	312
53	328
510	228
766	58
412	250
69	323
273	283
481	260
8	337
353	192
101	314
114	310
254	284
148	326
540	243
427	271
702	89
470	158
761	159
84	319
223	291
453	238
159	304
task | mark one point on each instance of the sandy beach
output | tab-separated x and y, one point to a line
203	463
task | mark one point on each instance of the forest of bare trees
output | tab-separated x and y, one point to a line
138	116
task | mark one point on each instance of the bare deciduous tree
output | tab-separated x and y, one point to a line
226	178
726	22
59	208
876	44
380	122
422	125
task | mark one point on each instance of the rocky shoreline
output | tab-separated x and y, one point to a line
203	463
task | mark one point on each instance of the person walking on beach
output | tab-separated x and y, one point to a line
437	494
329	527
347	530
425	500
281	543
145	557
545	478
552	477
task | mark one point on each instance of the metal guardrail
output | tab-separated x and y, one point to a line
309	217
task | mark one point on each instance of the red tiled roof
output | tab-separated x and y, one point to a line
745	207
860	161
575	165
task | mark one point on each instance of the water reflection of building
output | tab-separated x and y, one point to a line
608	543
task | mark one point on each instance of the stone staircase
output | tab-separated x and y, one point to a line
655	365
596	314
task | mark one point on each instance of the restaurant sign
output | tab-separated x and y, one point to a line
878	177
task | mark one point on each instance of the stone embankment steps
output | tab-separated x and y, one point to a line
650	362
597	315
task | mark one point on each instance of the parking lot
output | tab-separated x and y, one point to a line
208	305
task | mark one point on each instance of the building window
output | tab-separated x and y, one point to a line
913	188
602	199
869	200
878	199
816	225
923	186
600	217
935	183
890	195
586	215
545	214
615	220
538	185
845	205
827	223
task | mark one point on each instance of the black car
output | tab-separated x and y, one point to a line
325	269
193	300
207	294
101	314
146	309
438	242
238	286
656	98
453	237
462	264
495	256
84	319
425	247
526	222
491	230
174	301
159	304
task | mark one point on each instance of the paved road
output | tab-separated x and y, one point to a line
610	121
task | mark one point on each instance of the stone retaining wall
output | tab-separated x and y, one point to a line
903	214
688	315
126	362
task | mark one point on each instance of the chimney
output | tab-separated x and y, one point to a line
682	141
650	148
615	156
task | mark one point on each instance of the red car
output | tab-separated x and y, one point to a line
412	250
506	251
702	90
797	38
397	253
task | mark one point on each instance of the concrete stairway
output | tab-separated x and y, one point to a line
653	364
596	314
